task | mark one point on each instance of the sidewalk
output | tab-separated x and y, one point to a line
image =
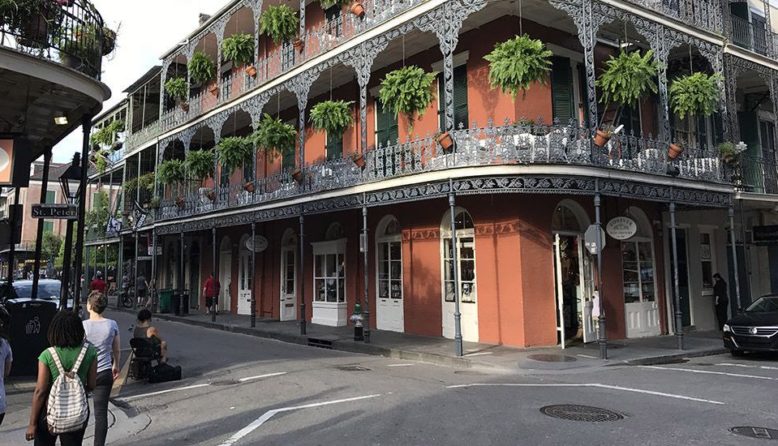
645	351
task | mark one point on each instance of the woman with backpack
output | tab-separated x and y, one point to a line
65	371
103	333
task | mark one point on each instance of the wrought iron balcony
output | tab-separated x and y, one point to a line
704	14
69	33
753	36
757	175
509	144
143	135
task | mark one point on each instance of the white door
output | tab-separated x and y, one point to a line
288	283
560	324
468	306
390	314
244	282
225	279
574	289
587	279
640	304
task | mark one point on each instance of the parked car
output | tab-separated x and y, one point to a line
48	289
755	329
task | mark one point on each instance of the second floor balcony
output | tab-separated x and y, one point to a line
754	35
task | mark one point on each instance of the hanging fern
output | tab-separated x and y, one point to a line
327	4
332	116
201	68
107	135
628	77
171	172
101	161
234	152
239	49
279	22
517	63
177	88
275	137
199	163
695	94
407	91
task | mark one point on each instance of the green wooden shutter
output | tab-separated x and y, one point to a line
287	160
50	196
460	99
48	226
562	89
334	147
386	126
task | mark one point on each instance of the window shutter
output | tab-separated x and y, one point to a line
386	128
460	96
287	161
334	147
562	89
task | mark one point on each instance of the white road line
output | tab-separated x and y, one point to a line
399	365
595	385
746	366
478	354
269	414
267	375
709	372
587	356
177	389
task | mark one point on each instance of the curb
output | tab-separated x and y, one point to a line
678	357
339	345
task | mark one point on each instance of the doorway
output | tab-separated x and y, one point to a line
245	277
288	311
640	298
465	275
390	313
683	274
225	275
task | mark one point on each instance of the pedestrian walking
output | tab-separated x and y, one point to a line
141	288
98	284
721	299
211	293
6	357
103	333
66	337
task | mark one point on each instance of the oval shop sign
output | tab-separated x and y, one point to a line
622	228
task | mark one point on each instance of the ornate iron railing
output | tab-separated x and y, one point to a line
316	41
143	135
69	32
756	174
704	14
508	144
753	36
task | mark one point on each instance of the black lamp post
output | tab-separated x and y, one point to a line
72	173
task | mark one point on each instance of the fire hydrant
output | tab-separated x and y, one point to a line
357	319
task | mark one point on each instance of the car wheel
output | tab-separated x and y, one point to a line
737	353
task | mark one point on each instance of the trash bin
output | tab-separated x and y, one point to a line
30	320
185	303
176	302
165	298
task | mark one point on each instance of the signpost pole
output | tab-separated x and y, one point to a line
732	241
602	338
676	287
39	239
252	272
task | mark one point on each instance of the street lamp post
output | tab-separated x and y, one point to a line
72	173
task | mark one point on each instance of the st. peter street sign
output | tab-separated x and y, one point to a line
55	211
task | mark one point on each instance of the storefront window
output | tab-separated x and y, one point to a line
329	277
706	259
465	260
638	261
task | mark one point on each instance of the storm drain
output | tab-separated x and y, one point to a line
762	433
545	357
352	368
320	343
574	412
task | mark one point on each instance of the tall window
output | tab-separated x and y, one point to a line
460	98
386	130
48	226
287	160
329	267
706	258
334	146
562	91
465	255
334	20
638	258
51	196
287	56
390	262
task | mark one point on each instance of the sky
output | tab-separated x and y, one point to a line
146	30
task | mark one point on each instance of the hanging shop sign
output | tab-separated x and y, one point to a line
257	244
622	228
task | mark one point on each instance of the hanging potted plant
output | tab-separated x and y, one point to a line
173	173
178	90
280	23
514	65
728	152
109	41
332	117
234	152
239	49
407	91
357	8
275	138
32	20
202	69
626	79
693	95
199	164
80	50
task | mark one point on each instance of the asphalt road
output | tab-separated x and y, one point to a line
241	390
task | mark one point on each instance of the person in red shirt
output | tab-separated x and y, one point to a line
211	293
98	284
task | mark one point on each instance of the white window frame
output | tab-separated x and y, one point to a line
445	234
637	241
336	248
711	232
381	239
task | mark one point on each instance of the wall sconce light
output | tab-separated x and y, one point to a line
60	119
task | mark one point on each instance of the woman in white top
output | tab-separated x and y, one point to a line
104	334
6	357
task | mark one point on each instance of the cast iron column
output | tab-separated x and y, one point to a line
39	239
155	300
366	332
602	339
181	276
12	245
120	271
301	279
676	286
66	265
215	270
459	349
733	242
86	124
253	271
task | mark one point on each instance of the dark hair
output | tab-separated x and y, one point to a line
144	315
718	276
97	301
5	323
66	330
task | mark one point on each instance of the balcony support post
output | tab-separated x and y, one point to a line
301	34
361	61
180	281
218	29
86	126
301	86
252	274
215	269
301	279
458	347
730	97
365	272
662	53
768	28
676	286
733	245
155	300
602	338
41	221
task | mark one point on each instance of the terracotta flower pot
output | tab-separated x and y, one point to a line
601	138
251	70
214	89
357	9
359	160
298	45
297	175
183	106
674	151
249	187
211	194
180	202
446	141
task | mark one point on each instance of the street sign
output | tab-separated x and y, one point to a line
590	239
55	211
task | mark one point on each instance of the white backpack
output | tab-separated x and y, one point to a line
68	409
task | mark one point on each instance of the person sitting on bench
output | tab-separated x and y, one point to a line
144	330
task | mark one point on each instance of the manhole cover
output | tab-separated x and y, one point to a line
574	412
545	357
756	432
352	368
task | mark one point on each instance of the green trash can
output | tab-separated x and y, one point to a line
165	298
